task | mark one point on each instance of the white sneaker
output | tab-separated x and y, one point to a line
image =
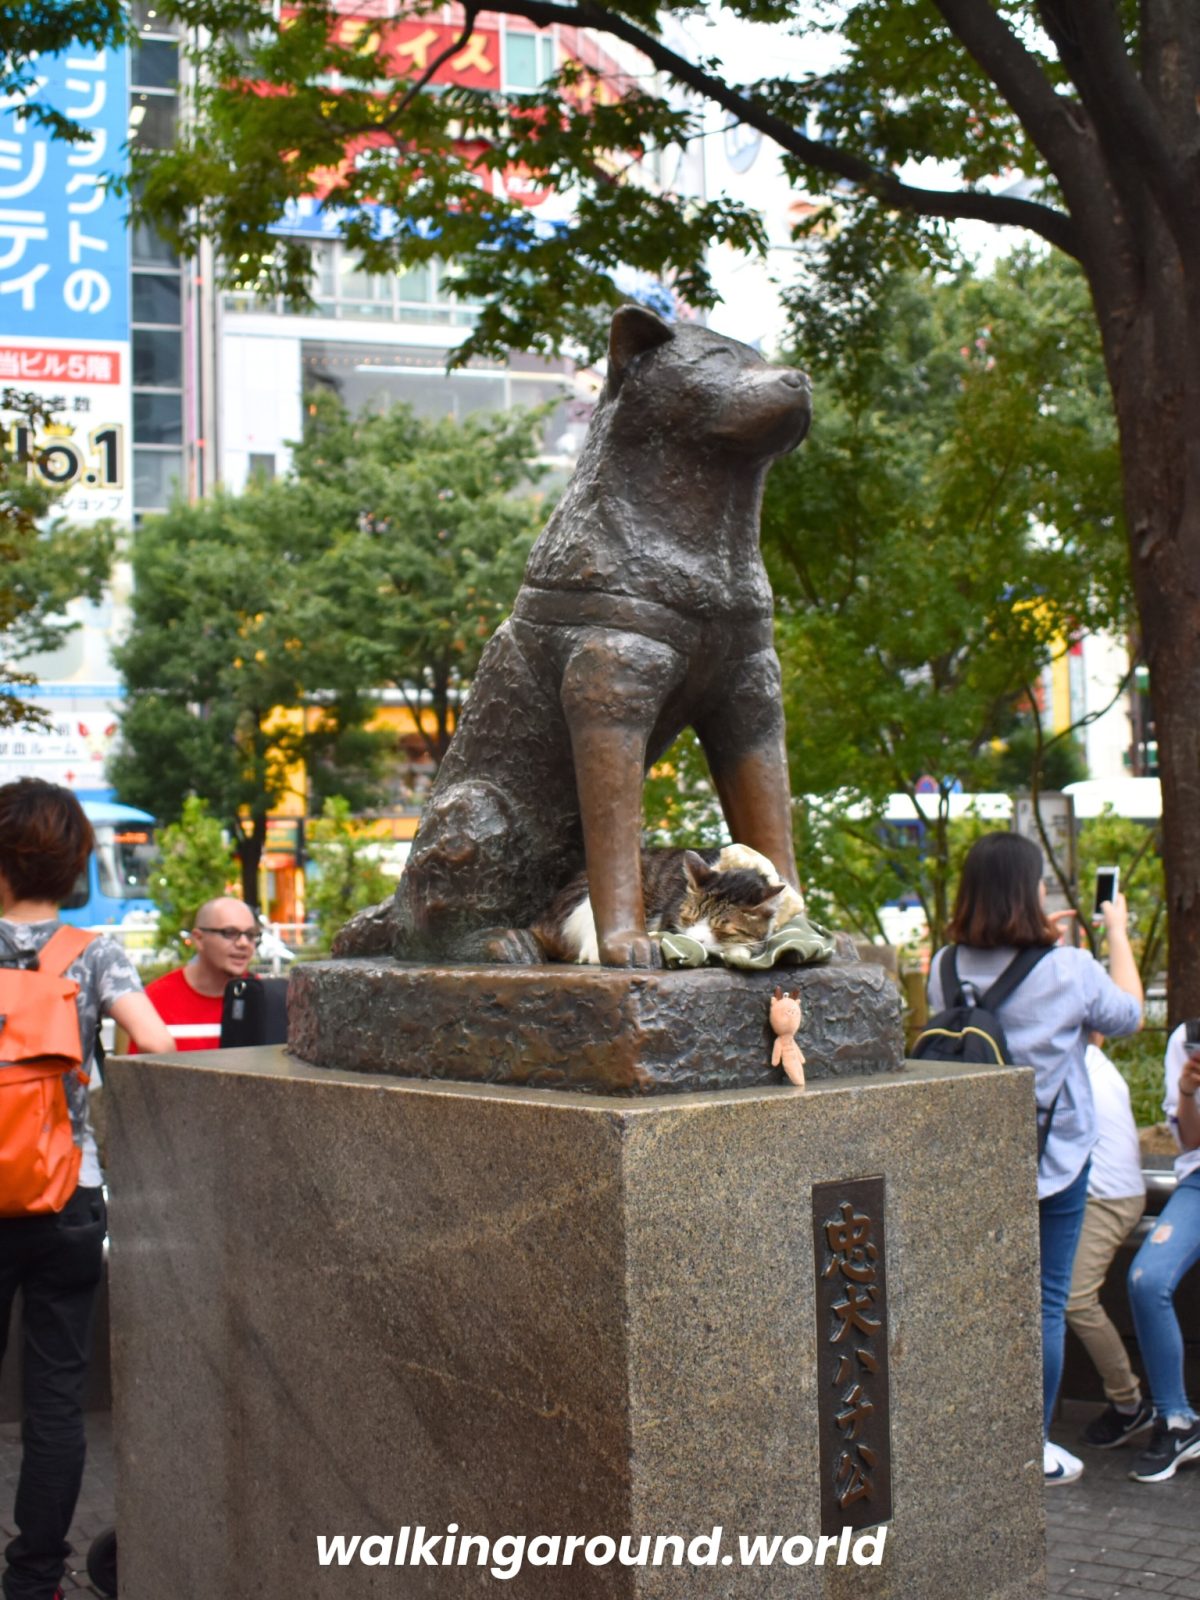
1059	1465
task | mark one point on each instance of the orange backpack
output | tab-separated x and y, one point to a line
39	1045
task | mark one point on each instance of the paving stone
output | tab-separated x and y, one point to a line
1166	1538
1107	1538
1175	1513
93	1514
1125	1560
1098	1571
1120	1539
1076	1547
1134	1538
1174	1567
1150	1581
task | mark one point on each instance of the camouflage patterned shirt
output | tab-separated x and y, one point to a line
104	973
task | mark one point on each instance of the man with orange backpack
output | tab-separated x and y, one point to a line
55	985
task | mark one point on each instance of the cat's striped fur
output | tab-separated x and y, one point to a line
685	891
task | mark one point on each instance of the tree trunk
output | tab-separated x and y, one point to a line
941	871
441	708
1173	650
1152	349
250	853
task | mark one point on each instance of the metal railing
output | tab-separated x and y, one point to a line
283	941
139	940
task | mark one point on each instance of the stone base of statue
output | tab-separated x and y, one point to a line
376	1336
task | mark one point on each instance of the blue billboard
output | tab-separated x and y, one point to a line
64	249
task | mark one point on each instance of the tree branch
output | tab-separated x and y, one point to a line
414	89
1035	791
1053	225
1091	46
1051	120
1060	128
1043	745
414	710
1093	716
1170	68
1151	937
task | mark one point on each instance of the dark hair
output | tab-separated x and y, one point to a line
998	902
45	839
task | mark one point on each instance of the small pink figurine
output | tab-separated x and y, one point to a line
785	1019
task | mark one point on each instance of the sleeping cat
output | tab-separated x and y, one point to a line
685	891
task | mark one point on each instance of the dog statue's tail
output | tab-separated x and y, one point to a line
368	933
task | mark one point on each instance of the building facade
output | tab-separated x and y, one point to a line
162	384
165	384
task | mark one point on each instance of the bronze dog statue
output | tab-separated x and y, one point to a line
645	608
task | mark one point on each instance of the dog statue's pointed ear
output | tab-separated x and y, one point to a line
634	331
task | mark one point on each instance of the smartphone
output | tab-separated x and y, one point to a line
1107	879
1191	1035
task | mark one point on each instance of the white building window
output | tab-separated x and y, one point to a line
529	59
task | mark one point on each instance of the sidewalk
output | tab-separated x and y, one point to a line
1110	1539
93	1514
1107	1538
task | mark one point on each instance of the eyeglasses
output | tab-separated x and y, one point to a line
234	934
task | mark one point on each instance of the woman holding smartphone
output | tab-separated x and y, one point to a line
1047	1018
1157	1270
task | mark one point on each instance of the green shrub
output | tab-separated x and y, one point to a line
1140	1062
343	875
196	864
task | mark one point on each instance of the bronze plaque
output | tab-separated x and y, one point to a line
854	1404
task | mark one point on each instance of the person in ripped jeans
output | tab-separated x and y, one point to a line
56	1258
1168	1251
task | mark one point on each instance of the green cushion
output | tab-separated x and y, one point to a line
798	943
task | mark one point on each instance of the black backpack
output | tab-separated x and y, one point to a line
973	1033
253	1012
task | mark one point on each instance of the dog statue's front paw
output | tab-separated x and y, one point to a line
630	950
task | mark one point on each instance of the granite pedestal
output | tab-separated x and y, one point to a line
349	1304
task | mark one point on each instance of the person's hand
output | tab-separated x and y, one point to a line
1189	1073
1116	915
1060	921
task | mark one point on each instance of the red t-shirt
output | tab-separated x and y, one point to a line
194	1019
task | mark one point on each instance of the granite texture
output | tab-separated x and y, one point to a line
597	1029
347	1304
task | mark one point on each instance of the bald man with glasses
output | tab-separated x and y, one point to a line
225	937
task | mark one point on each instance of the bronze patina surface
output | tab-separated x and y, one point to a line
589	1028
645	609
853	1382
